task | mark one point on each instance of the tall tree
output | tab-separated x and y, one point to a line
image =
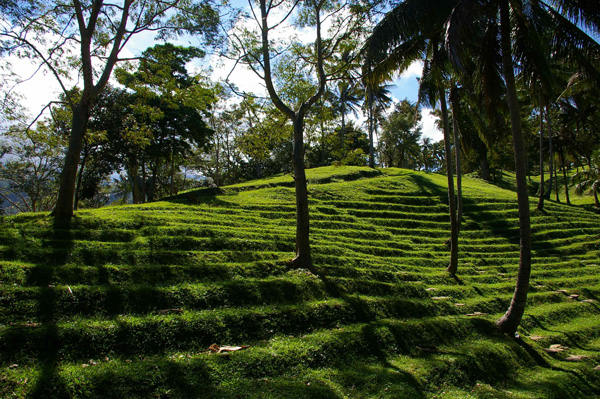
170	103
517	23
86	37
410	32
309	74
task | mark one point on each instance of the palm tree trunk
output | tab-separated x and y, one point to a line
562	157
303	257
455	131
551	150
453	266
371	123
512	318
540	205
556	185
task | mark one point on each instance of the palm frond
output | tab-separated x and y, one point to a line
585	13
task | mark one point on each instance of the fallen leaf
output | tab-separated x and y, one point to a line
430	289
439	298
13	366
536	337
85	365
556	348
232	348
597	368
214	348
221	349
574	296
477	314
459	304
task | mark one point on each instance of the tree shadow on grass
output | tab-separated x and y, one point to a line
544	363
50	383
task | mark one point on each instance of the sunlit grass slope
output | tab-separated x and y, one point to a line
125	301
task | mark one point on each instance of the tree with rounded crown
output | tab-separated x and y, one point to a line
86	37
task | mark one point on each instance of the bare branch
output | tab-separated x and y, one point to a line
42	111
12	202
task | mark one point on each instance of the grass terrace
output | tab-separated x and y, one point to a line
126	301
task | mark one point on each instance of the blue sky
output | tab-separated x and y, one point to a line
43	88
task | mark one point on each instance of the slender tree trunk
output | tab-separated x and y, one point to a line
217	169
540	205
153	181
512	318
453	266
343	128
565	181
79	179
455	130
485	166
172	172
143	190
556	185
64	202
133	176
303	255
551	151
371	123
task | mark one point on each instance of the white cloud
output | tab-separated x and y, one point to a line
429	128
413	71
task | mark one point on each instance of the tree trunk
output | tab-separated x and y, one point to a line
565	181
371	123
79	179
455	130
303	256
453	266
143	185
133	176
540	205
343	128
556	185
485	166
551	151
172	172
64	202
512	318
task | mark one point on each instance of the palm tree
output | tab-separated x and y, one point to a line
412	31
588	180
510	30
348	101
377	98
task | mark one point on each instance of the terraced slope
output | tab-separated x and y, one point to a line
125	301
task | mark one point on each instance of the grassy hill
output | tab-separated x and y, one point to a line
126	301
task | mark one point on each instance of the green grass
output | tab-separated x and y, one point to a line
124	301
